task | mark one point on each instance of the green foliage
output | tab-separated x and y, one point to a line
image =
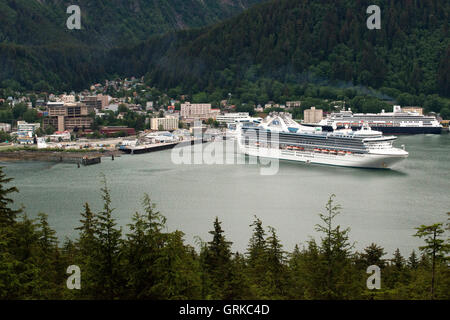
151	263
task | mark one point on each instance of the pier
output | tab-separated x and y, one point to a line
85	158
146	148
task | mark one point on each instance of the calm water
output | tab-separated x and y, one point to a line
379	206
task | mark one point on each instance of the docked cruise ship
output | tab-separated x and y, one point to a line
278	136
396	122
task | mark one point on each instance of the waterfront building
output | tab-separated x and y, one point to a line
116	129
68	116
26	132
59	136
168	123
312	115
231	117
6	127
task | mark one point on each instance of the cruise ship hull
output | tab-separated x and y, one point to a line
368	160
390	129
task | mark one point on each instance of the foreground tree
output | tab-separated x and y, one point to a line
217	263
109	275
335	247
435	247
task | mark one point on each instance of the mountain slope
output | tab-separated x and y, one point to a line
292	40
287	40
108	22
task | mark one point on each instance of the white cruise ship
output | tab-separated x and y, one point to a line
278	136
396	122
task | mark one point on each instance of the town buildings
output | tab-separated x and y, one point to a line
167	123
68	116
231	117
419	110
6	127
312	115
26	132
117	129
198	111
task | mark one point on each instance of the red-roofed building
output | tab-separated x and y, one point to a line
113	130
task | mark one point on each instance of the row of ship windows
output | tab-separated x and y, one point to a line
309	144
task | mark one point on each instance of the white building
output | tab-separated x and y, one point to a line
149	106
312	115
68	98
231	117
60	136
6	127
167	123
198	111
26	131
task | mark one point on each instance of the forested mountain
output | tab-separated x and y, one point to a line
108	22
291	41
38	52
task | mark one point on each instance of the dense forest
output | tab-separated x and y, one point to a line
320	53
273	51
40	53
108	23
149	262
295	41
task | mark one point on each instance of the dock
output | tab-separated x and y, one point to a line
85	158
146	148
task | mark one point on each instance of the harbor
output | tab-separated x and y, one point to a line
190	196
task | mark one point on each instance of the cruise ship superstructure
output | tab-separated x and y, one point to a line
280	137
396	122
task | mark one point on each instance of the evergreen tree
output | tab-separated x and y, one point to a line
335	247
217	261
373	255
108	273
435	247
413	262
7	215
398	260
142	250
87	253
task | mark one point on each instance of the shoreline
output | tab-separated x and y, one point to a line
55	156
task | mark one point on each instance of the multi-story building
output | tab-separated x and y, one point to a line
68	116
231	117
419	110
6	127
201	111
104	100
92	102
68	98
293	104
168	123
26	131
312	115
